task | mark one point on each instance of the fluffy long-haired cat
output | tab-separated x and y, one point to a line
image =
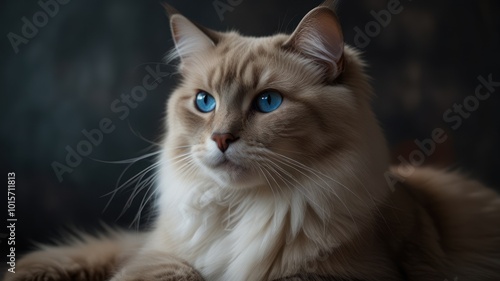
274	168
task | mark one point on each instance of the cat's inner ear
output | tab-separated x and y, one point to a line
319	37
189	38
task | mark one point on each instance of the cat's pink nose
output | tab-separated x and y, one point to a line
223	140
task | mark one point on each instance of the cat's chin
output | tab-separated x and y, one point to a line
232	175
229	166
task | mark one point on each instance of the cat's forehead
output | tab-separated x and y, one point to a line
247	63
232	43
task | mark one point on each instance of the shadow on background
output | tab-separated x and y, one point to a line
78	69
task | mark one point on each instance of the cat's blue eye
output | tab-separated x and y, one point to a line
205	102
268	101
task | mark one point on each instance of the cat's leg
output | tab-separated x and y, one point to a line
157	266
313	277
88	258
305	277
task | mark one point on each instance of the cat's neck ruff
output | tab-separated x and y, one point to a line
226	233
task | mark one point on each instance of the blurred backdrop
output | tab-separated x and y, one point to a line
68	67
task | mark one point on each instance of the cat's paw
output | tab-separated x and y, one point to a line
43	273
168	272
61	269
308	277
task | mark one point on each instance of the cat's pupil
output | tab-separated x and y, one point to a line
268	101
204	102
268	98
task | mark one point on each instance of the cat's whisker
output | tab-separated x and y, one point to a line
327	188
130	160
296	168
118	188
140	185
263	162
138	178
188	161
277	184
314	172
179	160
148	182
281	193
191	173
137	134
308	155
133	178
323	188
179	156
288	184
267	180
299	183
281	178
180	147
144	201
188	168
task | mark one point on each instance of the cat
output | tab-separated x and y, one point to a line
274	168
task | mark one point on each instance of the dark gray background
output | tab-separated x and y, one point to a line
65	79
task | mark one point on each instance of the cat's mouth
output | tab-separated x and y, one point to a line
226	164
229	168
228	172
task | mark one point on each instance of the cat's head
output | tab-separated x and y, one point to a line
260	111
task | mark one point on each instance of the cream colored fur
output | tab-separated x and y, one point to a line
302	191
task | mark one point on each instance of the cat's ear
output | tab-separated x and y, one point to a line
319	37
189	37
